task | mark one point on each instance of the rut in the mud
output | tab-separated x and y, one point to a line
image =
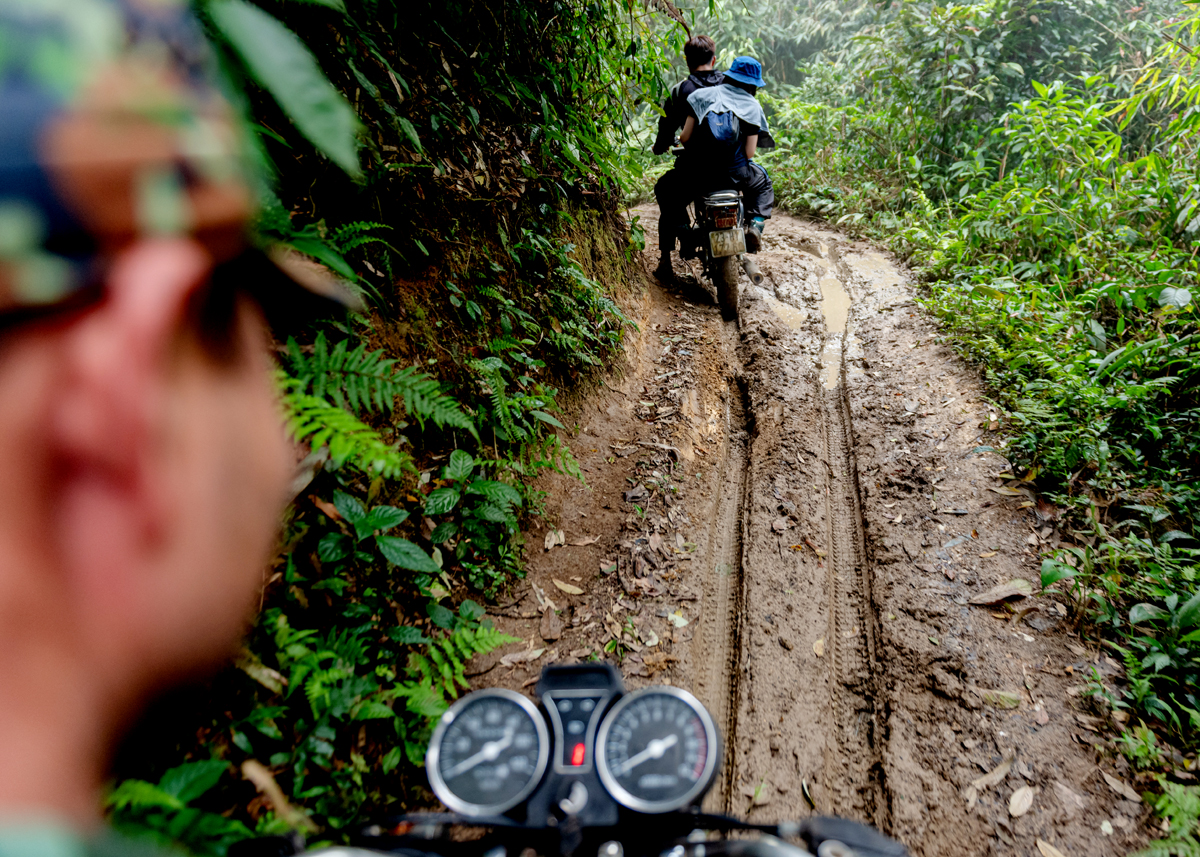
853	622
719	631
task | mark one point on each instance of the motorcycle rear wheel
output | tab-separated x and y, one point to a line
725	278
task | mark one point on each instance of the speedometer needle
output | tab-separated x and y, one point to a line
654	750
489	753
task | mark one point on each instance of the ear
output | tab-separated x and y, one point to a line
116	364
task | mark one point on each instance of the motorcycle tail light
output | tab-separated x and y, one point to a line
725	219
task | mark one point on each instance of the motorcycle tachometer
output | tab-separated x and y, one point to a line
488	752
657	750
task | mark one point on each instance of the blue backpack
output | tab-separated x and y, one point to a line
725	130
719	139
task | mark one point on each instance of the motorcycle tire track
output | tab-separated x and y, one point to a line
718	638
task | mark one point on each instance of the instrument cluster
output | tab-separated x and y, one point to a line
587	745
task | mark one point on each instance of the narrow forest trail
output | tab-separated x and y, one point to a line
790	515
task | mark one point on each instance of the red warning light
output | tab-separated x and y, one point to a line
577	754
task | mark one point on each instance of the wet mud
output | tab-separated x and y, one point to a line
790	515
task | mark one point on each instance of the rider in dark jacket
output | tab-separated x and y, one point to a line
675	188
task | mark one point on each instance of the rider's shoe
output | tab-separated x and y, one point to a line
664	272
753	236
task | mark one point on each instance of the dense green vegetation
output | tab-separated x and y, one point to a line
456	163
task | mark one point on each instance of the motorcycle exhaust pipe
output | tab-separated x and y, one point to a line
751	269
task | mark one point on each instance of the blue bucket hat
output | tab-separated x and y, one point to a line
746	70
114	129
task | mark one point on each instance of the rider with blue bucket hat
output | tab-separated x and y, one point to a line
727	126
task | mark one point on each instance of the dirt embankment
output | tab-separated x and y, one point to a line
803	518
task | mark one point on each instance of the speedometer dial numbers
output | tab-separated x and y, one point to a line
657	750
488	753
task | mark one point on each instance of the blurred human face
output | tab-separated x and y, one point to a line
170	471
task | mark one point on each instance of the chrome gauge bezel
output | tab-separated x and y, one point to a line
619	792
433	754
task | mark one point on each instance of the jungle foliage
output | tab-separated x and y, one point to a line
1037	162
459	164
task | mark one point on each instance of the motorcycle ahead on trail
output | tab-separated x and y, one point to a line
716	234
590	770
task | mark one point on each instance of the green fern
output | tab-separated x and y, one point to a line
350	441
365	381
353	235
1180	806
444	664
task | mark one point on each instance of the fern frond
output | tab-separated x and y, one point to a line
366	381
350	441
425	400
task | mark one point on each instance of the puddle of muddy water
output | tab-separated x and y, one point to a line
788	314
835	307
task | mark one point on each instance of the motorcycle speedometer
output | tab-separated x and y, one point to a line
488	752
657	750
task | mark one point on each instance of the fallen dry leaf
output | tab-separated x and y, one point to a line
898	518
1007	492
327	508
992	778
658	661
1001	698
779	525
1121	787
568	588
1018	587
819	648
1048	850
677	618
586	540
555	537
527	656
551	626
1072	801
1021	801
988	555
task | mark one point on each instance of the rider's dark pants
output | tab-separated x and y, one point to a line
673	191
757	194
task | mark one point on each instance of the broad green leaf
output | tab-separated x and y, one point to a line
406	635
403	553
334	547
1174	297
441	500
1141	612
546	418
441	616
285	67
497	492
470	610
349	507
410	132
380	518
323	253
1189	613
443	531
460	466
192	779
1052	572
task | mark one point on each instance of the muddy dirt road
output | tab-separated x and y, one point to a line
804	518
